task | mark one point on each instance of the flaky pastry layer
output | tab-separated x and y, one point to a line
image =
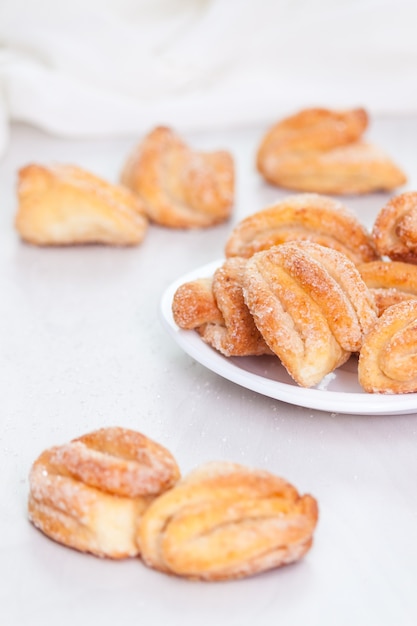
321	150
89	494
65	205
388	357
180	187
395	228
311	306
390	282
310	217
120	461
216	308
225	521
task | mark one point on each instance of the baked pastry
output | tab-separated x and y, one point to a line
321	150
120	461
311	306
194	305
217	310
387	361
390	282
395	228
65	205
90	493
226	521
309	217
79	516
180	188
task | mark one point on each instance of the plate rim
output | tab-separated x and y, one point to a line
355	403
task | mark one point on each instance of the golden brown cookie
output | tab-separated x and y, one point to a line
65	205
390	282
226	521
180	187
321	150
217	310
395	228
194	305
120	461
311	306
90	493
388	360
310	217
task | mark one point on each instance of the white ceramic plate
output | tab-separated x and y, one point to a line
338	392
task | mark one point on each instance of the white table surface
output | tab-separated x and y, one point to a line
82	347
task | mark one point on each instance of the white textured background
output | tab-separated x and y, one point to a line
94	67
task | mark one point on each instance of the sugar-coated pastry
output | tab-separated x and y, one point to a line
388	357
79	516
311	217
390	282
226	521
180	187
239	336
194	305
321	150
120	461
311	306
395	228
89	494
65	205
217	310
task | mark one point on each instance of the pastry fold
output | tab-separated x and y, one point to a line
180	187
310	217
120	461
311	306
216	308
395	228
89	494
225	521
65	205
389	282
321	150
388	357
194	305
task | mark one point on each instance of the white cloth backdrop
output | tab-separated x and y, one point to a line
94	67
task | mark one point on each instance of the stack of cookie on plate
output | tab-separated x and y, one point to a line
305	281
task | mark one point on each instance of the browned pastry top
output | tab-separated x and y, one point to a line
216	308
194	304
180	187
89	494
226	521
310	217
395	228
388	357
321	150
120	461
65	205
311	306
390	281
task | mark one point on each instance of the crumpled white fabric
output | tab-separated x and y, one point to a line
102	67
